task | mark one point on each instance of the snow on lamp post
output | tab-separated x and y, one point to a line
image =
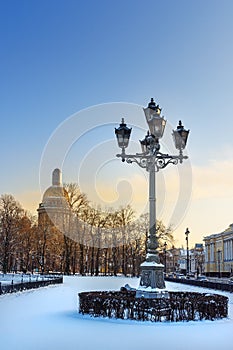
152	160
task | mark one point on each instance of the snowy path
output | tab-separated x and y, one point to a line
47	319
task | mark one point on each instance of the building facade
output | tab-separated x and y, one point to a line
176	260
171	261
54	209
219	253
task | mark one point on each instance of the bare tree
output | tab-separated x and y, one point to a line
78	203
26	243
10	213
125	216
76	199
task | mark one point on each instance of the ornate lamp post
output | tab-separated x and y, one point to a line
152	160
219	263
187	241
165	257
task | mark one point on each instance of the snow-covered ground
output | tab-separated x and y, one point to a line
47	318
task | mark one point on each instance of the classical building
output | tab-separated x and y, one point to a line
54	208
197	257
172	259
176	260
219	253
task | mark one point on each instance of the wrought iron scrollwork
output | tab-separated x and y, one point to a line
157	160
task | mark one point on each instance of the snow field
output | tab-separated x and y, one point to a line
47	319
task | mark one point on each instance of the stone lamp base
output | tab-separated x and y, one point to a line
152	275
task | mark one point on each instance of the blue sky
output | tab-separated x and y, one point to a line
59	57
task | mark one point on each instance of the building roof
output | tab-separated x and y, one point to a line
226	232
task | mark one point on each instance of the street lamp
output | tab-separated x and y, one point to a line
187	241
123	136
152	160
219	263
32	268
165	257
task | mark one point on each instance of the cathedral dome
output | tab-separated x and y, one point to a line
56	193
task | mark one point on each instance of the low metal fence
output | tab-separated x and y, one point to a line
206	284
178	306
20	286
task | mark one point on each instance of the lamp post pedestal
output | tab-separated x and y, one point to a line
152	275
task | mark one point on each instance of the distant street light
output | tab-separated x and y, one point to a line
165	257
32	264
152	160
219	263
187	242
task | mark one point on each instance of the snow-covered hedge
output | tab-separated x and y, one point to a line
179	306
